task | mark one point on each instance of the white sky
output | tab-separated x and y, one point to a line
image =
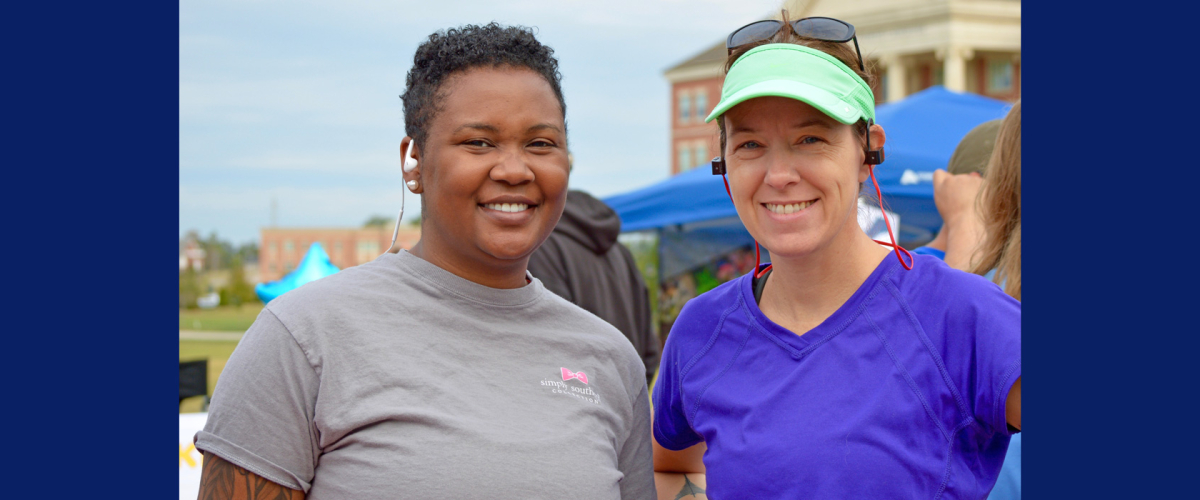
299	100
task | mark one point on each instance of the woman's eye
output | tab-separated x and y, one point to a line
541	144
810	140
750	145
479	143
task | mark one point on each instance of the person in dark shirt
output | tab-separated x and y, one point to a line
582	262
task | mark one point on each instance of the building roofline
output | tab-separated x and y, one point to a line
714	54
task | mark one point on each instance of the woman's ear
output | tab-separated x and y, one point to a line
410	157
878	138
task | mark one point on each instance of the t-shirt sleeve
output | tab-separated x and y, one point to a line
671	427
636	459
996	355
261	415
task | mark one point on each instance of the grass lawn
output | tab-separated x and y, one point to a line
217	352
223	318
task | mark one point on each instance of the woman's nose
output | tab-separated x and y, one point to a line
513	168
781	172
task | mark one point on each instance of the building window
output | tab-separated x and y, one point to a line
287	246
701	152
685	158
999	76
685	107
701	106
337	246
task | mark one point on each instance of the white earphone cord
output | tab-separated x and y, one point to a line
405	167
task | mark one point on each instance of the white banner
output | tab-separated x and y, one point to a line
189	457
870	219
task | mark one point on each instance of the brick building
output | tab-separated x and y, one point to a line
965	45
282	249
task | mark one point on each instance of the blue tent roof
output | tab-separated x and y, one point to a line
922	132
314	266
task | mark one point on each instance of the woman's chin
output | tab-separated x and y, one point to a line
790	248
509	248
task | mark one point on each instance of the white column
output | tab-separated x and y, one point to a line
897	75
954	71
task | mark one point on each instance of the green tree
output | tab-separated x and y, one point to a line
377	220
238	291
189	288
248	252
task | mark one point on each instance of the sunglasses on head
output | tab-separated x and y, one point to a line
825	29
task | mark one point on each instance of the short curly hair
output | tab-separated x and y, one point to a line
455	50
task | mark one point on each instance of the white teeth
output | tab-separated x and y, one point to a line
508	207
789	209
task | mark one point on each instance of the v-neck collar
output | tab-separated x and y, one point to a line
800	345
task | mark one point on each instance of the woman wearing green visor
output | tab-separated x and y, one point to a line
845	368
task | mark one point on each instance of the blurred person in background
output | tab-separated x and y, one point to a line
1000	210
839	370
582	262
969	160
446	371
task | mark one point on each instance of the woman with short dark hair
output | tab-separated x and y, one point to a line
446	371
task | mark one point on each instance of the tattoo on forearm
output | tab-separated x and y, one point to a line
221	480
690	490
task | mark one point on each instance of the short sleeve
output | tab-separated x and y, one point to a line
636	457
261	415
993	351
671	427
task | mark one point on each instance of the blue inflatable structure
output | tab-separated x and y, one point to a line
314	266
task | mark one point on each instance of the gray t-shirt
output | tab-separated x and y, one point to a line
398	379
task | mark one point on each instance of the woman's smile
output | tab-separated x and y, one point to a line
509	210
788	210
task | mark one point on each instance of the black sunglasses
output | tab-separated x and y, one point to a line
820	28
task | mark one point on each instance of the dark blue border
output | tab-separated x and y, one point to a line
91	185
92	193
1107	169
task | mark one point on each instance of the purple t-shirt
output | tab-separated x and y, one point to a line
900	393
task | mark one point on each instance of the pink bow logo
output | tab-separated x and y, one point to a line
568	375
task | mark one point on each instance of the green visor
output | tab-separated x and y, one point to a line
801	73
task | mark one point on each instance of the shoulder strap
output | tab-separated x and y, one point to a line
759	284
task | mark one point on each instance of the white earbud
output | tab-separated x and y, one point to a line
410	163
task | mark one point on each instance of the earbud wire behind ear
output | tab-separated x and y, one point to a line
405	167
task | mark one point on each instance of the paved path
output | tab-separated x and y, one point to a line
219	336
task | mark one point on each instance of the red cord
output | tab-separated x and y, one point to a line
886	222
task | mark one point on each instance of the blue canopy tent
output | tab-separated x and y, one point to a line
922	132
314	266
696	220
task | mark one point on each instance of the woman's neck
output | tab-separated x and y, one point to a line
804	291
495	273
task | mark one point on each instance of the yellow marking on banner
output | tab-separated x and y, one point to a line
185	454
